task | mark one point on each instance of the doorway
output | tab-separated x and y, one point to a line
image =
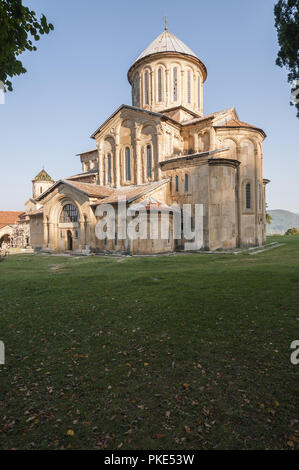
69	240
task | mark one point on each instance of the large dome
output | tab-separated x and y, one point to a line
166	42
167	75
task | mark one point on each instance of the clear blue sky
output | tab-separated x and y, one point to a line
77	78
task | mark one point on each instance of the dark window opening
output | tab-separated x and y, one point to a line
149	160
248	196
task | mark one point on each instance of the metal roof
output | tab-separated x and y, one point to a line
166	42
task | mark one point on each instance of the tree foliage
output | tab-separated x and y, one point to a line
268	218
287	25
292	231
19	27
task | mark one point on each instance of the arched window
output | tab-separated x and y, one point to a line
160	85
198	91
109	169
149	161
69	214
186	182
189	85
248	196
128	163
177	183
135	90
146	87
175	84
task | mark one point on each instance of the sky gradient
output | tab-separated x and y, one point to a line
78	77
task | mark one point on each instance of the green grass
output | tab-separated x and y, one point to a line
179	352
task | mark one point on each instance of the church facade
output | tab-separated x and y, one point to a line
159	153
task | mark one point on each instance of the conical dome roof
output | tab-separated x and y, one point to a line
42	176
166	42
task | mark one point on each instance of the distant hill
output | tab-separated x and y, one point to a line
281	221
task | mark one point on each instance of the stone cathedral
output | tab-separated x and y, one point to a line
160	151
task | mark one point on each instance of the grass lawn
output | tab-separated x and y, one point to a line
172	352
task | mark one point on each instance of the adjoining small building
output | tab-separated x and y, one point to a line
14	231
161	151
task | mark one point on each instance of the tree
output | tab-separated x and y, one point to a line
268	218
292	231
287	24
19	26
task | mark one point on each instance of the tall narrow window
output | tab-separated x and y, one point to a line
248	196
175	84
189	85
149	161
233	180
198	91
160	85
186	183
135	91
109	169
260	196
177	183
128	164
146	88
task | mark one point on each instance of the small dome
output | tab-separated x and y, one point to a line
166	42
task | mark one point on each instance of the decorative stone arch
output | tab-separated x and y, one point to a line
188	87
175	90
123	166
126	132
148	136
109	149
55	211
147	85
204	140
247	154
160	82
198	89
59	232
5	234
232	143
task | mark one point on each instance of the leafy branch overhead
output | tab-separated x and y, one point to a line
287	24
19	28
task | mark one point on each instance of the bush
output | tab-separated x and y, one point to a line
292	231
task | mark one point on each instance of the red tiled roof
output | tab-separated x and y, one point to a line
237	123
151	204
36	212
92	190
9	217
83	175
207	116
130	193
